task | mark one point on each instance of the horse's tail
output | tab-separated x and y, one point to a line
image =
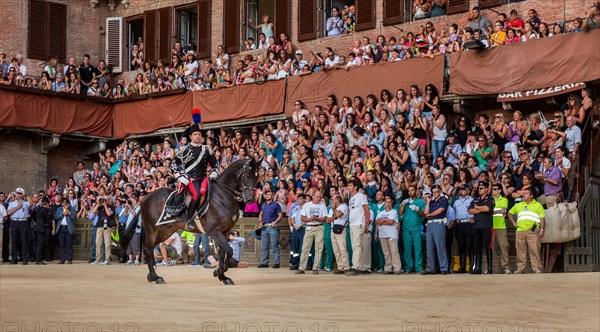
127	235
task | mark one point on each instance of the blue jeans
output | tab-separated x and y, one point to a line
204	239
270	239
438	148
65	242
436	244
296	246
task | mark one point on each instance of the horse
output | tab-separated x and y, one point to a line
235	184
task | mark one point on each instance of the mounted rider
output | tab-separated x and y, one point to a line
189	167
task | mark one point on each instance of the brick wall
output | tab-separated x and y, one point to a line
21	162
62	160
84	35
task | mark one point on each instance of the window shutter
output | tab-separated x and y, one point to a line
203	36
365	14
57	31
114	44
307	20
393	12
37	31
282	17
150	43
164	34
231	26
457	6
489	3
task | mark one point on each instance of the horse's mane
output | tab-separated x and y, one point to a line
232	169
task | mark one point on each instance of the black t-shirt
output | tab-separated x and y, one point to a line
483	219
86	74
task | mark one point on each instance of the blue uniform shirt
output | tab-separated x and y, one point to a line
270	211
441	202
461	207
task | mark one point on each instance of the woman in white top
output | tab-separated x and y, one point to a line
221	58
346	109
270	67
284	64
299	111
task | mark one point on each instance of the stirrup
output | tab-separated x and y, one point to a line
189	225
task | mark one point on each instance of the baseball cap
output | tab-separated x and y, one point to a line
299	52
20	190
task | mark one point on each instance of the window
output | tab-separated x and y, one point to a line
187	27
47	30
114	43
157	35
135	32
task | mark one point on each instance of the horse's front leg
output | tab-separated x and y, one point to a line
225	253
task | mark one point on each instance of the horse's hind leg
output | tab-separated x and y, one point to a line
225	253
148	251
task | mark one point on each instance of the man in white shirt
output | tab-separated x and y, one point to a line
360	218
168	251
334	24
338	218
387	230
572	136
18	210
332	61
314	214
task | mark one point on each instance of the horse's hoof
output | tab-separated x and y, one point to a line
215	273
228	282
160	281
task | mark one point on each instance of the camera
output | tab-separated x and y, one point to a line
105	225
129	202
101	200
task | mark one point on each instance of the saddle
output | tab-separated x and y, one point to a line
176	206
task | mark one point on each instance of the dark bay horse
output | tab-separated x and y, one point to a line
235	184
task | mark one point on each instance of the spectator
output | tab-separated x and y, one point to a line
387	230
190	69
299	62
236	243
571	136
338	217
94	89
64	227
534	19
334	24
438	8
263	41
284	64
18	210
482	209
359	218
528	32
249	45
169	251
313	215
421	9
551	177
348	25
592	18
286	44
87	73
3	65
499	36
3	219
177	51
41	218
51	68
59	85
104	225
479	22
265	27
270	214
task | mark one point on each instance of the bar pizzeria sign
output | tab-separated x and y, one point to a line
539	93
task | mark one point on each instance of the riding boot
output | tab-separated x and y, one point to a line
191	210
462	263
488	257
476	265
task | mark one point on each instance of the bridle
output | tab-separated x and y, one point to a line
238	195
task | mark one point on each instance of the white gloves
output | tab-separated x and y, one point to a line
182	178
213	175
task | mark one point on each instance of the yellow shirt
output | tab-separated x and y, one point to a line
500	35
527	214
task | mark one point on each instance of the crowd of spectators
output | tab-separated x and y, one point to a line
281	59
397	146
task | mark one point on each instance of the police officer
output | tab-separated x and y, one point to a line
435	210
482	209
530	229
297	228
42	218
189	167
412	211
18	210
464	228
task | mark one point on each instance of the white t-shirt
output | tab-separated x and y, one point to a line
331	63
191	67
357	212
219	62
176	243
385	231
311	209
341	220
566	163
2	215
414	158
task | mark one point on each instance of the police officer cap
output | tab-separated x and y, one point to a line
45	199
484	184
464	187
436	186
191	129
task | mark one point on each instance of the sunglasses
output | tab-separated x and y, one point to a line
435	191
557	116
481	188
498	116
523	154
495	189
